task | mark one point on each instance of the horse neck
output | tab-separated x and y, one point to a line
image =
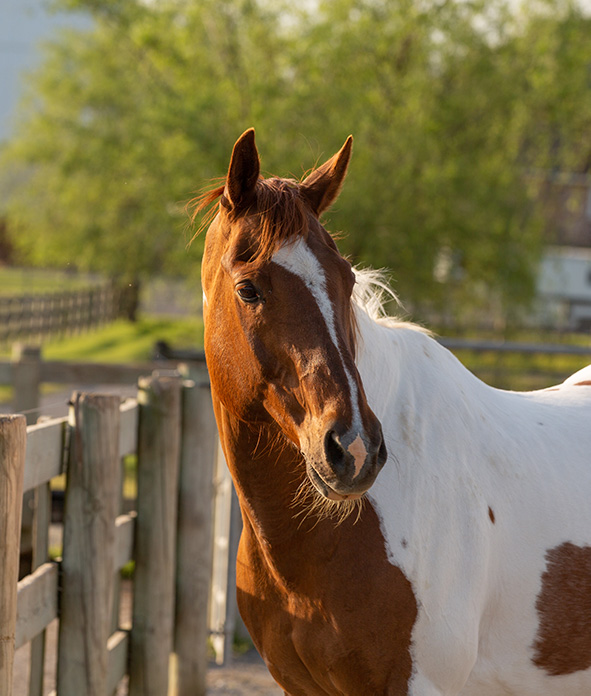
267	474
414	385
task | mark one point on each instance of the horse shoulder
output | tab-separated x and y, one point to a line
342	624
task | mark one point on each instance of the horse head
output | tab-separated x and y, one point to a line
279	322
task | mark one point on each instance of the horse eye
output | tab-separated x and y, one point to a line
248	293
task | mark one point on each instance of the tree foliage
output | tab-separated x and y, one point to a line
454	107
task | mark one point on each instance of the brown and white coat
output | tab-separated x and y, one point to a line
461	565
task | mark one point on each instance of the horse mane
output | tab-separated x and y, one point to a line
372	294
281	213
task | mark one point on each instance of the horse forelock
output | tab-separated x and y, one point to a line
282	215
278	214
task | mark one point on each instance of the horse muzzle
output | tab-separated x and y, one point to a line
348	464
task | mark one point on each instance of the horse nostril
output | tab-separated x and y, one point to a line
333	449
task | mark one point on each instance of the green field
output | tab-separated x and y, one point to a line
124	341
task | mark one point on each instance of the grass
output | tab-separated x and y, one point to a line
124	341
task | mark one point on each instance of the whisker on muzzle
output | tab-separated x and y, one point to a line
313	504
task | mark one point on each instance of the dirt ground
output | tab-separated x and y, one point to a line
247	675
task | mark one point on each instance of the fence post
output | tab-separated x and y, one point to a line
89	545
151	642
194	540
26	375
13	438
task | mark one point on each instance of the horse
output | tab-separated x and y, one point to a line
407	529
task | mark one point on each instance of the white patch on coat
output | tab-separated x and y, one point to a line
458	446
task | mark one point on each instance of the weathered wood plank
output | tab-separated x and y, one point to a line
41	522
26	378
89	545
118	650
194	539
221	571
37	602
13	435
5	373
153	605
45	446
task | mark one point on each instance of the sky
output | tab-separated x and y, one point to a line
23	24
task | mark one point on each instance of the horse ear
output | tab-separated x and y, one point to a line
243	172
324	184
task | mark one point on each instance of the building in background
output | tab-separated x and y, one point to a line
564	279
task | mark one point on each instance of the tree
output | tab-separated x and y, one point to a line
122	123
447	106
453	105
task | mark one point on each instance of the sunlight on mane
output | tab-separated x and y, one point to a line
372	293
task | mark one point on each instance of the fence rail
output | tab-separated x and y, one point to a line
518	365
57	314
481	346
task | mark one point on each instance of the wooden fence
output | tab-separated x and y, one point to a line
170	429
57	314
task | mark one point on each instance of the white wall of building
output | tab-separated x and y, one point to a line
564	286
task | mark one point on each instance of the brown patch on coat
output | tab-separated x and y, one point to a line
491	515
343	624
563	641
585	383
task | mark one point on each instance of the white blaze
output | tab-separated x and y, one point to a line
297	258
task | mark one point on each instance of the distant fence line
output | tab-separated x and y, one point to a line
519	365
61	313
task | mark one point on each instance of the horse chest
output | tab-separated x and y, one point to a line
341	625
